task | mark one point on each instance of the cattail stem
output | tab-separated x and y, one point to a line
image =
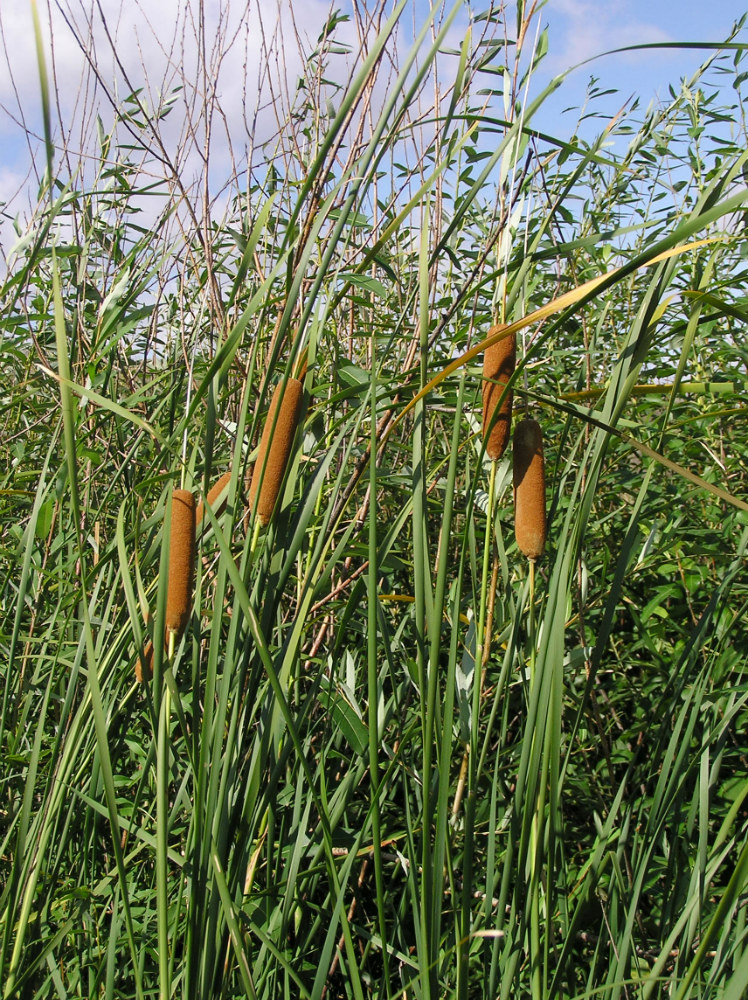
531	623
530	532
470	753
480	642
480	638
255	536
535	860
163	772
275	448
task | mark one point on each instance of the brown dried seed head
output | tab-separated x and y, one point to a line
529	488
213	495
276	444
498	366
144	664
181	561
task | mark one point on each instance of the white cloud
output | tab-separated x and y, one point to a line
153	47
582	30
240	59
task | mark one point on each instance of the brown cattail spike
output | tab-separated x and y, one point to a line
181	561
529	488
144	664
275	448
498	367
214	499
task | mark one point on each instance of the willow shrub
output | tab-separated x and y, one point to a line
388	757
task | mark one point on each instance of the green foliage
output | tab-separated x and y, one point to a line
388	758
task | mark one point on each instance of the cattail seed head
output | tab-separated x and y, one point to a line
529	488
144	664
181	561
498	367
214	493
275	448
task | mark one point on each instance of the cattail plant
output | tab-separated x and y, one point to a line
214	499
529	488
275	448
181	573
181	562
498	367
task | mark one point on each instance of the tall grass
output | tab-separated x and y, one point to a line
388	757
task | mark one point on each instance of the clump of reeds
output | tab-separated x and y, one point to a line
181	575
275	448
529	488
215	500
498	367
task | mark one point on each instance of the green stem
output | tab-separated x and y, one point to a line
372	674
162	834
536	833
471	753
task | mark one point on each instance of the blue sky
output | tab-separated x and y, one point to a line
578	30
582	28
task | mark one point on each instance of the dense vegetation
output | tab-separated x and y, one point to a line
388	757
